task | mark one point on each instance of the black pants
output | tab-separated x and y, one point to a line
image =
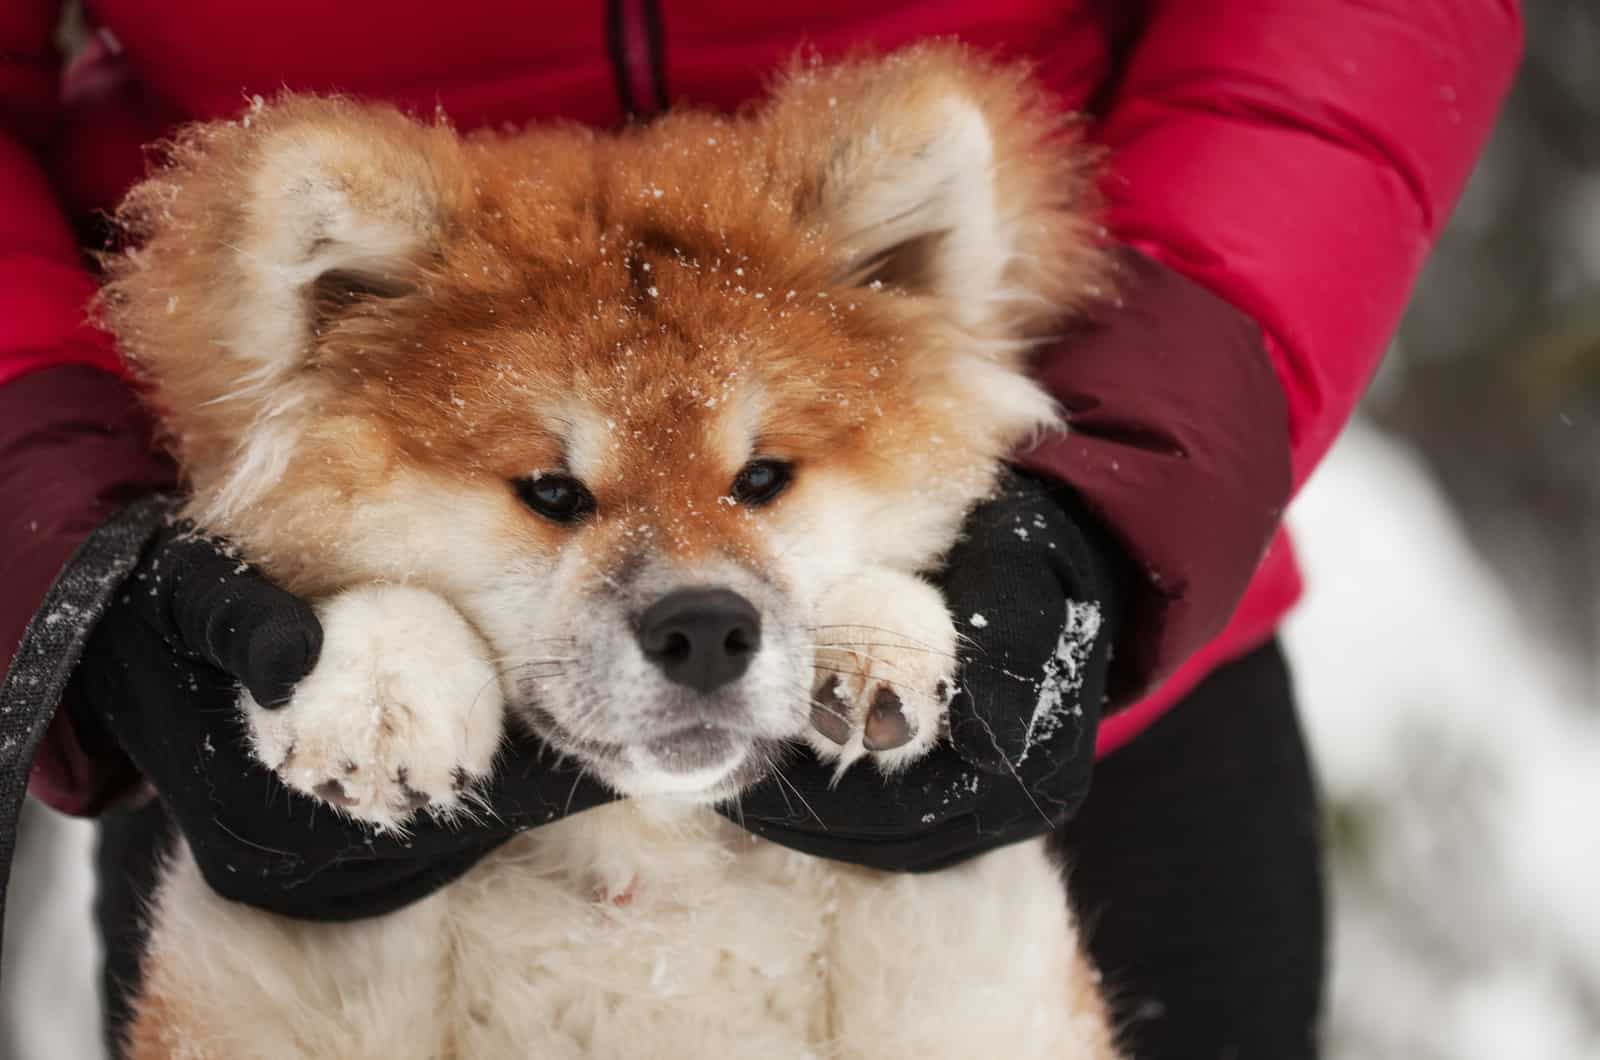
1196	871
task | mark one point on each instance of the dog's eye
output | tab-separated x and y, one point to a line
559	498
760	481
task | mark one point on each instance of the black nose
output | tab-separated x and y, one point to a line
702	638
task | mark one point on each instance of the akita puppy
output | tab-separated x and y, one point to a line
618	437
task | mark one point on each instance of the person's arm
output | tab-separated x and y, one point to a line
44	286
74	444
1282	170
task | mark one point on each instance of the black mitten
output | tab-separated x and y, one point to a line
160	675
1035	591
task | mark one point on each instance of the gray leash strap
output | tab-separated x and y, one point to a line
51	647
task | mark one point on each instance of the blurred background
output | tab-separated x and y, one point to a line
1447	654
1448	651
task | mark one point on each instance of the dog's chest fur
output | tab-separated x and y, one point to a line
637	931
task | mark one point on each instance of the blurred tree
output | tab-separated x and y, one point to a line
1496	375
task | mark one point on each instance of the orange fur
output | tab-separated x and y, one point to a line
536	280
675	298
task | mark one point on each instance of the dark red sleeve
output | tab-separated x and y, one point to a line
1298	160
75	446
1178	441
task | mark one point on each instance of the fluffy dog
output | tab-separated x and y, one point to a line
627	438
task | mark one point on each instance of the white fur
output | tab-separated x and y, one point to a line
743	404
641	931
611	694
936	179
885	630
402	705
589	442
302	224
1013	398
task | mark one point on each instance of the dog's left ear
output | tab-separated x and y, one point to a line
947	176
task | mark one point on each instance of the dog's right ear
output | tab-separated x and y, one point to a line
249	240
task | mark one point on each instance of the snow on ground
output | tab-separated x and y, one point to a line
1463	768
49	1005
1462	764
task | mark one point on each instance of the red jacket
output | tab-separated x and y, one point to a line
1296	158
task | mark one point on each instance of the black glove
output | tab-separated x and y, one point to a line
1034	589
160	676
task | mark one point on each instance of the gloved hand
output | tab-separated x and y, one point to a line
160	676
1035	592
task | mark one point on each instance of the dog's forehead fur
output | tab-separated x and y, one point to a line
607	293
639	315
646	310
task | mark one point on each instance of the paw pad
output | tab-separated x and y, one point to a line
332	791
887	726
402	713
830	712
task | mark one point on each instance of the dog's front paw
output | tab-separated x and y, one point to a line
403	711
885	670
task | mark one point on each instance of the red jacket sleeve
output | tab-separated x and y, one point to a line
73	442
43	284
1284	169
1299	159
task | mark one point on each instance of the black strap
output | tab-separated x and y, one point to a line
51	646
626	20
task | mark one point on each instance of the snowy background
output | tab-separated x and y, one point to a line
1447	654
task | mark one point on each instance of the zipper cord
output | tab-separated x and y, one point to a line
637	47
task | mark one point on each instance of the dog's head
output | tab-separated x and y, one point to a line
630	402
